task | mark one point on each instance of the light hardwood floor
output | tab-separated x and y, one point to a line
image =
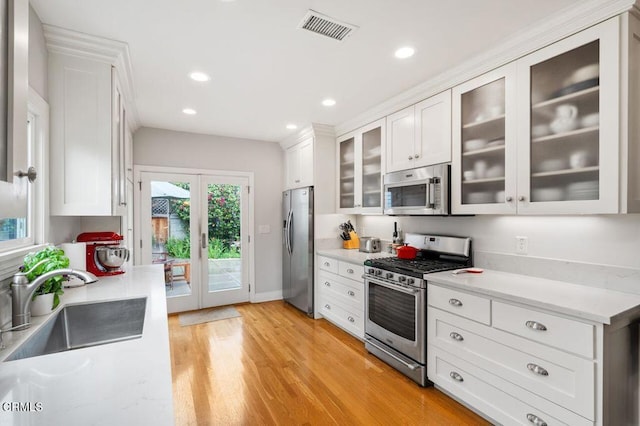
273	365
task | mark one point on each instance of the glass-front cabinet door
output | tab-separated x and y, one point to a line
360	160
569	137
484	144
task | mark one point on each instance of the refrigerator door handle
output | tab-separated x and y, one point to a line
287	233
290	228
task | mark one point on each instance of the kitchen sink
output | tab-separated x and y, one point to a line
84	325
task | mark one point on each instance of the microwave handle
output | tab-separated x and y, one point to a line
431	193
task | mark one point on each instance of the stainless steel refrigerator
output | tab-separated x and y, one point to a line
297	248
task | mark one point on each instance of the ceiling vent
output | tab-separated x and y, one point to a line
326	26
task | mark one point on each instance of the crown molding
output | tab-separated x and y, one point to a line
113	52
565	23
313	130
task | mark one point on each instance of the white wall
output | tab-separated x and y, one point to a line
157	147
601	239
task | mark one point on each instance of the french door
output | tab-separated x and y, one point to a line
197	227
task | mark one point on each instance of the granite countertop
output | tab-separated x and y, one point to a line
123	383
580	301
351	256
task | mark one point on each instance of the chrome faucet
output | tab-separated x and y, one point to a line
22	291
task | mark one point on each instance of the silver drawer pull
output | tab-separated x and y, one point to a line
455	376
537	369
535	325
456	336
350	271
455	302
327	306
327	264
351	319
351	293
327	283
537	421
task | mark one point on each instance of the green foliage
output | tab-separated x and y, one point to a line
180	248
223	212
217	250
56	260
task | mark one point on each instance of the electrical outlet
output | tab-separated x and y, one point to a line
522	245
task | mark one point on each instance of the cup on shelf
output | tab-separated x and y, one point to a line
480	168
579	159
540	130
566	118
496	111
469	175
590	120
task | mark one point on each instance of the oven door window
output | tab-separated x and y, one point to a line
406	196
393	310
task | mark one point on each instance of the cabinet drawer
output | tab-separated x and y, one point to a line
455	376
343	317
341	289
351	270
328	264
460	303
556	376
570	335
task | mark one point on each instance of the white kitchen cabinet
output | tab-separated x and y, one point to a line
420	135
340	294
544	134
89	127
516	362
360	171
299	164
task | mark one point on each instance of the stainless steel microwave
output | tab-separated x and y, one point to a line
421	191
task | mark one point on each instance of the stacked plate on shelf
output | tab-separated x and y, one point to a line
586	190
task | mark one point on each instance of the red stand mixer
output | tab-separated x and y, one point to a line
105	256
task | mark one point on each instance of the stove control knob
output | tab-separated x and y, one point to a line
389	275
411	281
371	271
378	272
402	278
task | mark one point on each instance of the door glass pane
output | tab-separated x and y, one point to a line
483	144
347	173
4	39
371	168
565	126
170	236
224	231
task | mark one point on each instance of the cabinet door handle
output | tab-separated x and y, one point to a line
351	293
350	271
416	156
455	376
535	325
327	264
508	198
410	158
297	180
537	369
456	336
351	319
327	283
522	198
30	174
327	306
535	420
455	302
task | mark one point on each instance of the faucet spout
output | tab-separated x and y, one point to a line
22	291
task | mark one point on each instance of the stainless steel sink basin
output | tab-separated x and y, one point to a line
90	324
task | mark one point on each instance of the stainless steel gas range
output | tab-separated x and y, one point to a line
396	300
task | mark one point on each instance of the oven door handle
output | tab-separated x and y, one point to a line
395	287
411	367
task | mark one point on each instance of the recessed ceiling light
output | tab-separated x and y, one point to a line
189	111
291	126
199	76
405	52
328	102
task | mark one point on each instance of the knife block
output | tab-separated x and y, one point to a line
353	243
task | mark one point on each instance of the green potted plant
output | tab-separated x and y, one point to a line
51	290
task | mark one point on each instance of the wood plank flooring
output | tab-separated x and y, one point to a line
275	366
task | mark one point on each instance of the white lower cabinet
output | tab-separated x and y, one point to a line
340	294
521	365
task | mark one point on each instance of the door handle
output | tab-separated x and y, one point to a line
203	240
30	174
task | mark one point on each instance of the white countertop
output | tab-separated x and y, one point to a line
589	303
123	383
351	256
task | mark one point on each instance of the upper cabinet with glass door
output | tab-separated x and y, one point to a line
563	155
484	143
360	170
